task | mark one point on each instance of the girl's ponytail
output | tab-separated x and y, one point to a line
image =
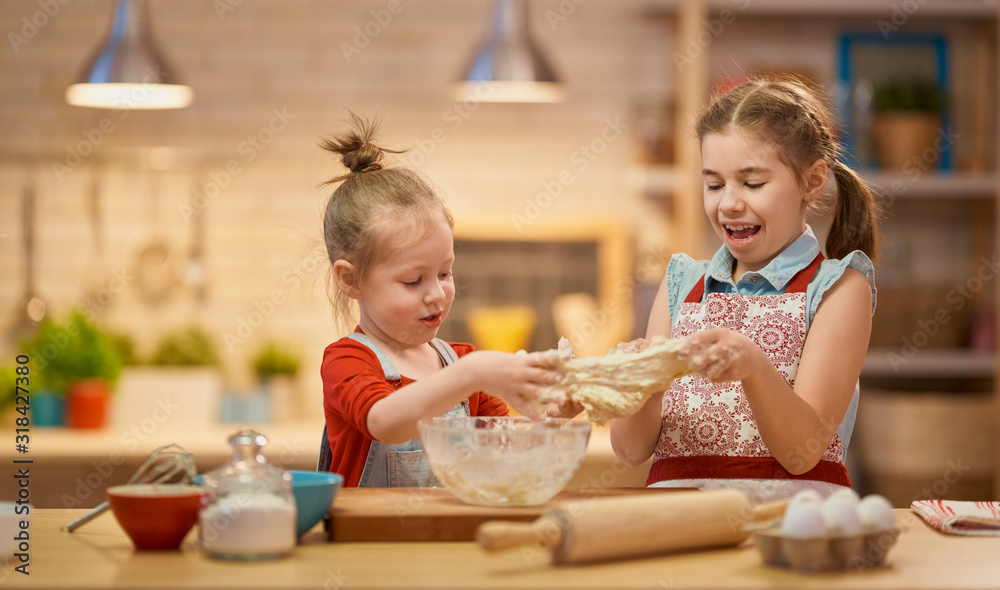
855	216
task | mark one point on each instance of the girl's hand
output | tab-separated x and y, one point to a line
721	354
519	379
566	408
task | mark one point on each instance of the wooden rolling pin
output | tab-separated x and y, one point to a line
624	527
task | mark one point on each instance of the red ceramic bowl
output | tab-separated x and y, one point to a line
156	516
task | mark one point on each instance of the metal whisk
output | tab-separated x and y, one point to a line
168	464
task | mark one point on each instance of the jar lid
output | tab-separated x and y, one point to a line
249	470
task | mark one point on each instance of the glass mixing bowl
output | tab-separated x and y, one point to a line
503	460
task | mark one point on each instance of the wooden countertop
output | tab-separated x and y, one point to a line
99	555
287	441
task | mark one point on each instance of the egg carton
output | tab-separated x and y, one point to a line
834	552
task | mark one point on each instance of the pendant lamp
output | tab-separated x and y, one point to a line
128	72
510	67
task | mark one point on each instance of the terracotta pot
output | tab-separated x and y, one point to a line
87	403
905	141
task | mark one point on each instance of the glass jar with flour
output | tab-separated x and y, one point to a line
248	512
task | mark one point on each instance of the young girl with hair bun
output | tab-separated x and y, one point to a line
776	330
389	239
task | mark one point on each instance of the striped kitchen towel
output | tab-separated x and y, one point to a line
960	518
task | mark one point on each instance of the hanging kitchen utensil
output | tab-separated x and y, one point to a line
32	309
196	273
156	268
96	296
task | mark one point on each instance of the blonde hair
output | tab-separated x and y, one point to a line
370	202
801	126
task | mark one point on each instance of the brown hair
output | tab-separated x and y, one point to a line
369	204
799	123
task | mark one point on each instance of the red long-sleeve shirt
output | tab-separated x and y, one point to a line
353	381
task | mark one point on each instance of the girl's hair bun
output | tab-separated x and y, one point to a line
366	158
356	147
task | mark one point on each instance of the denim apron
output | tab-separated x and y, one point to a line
403	465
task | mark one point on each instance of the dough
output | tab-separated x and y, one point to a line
616	385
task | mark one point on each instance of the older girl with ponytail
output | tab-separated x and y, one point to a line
775	325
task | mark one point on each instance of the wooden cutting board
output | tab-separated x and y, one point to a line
434	514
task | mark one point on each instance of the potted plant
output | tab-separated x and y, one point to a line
48	401
185	348
47	405
276	367
8	391
76	362
179	387
275	361
907	121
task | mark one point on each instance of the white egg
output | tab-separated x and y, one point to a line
846	495
803	519
841	515
808	496
875	512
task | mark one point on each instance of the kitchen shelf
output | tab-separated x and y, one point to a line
882	363
932	185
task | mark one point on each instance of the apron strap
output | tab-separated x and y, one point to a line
391	374
325	459
798	283
445	352
696	292
805	276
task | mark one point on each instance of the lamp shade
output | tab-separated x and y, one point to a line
128	72
510	67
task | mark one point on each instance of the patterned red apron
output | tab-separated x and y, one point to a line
708	430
